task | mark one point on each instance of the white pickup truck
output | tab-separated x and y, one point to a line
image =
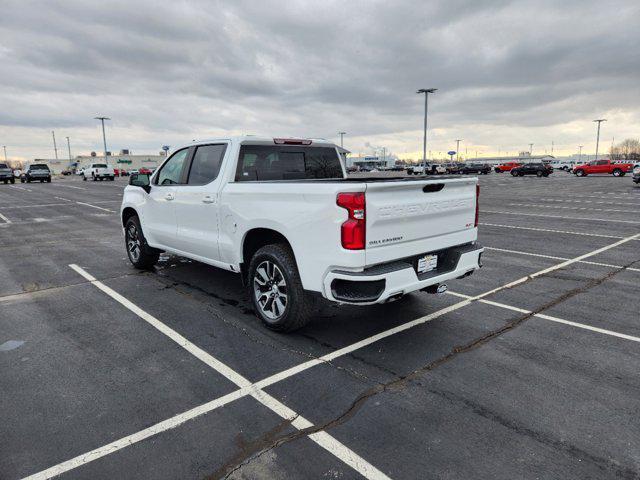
283	214
98	171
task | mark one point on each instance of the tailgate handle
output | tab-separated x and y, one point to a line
433	187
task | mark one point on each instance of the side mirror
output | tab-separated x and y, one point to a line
140	180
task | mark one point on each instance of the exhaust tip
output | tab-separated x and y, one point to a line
439	289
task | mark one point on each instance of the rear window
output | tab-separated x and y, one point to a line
39	167
99	165
266	162
3	165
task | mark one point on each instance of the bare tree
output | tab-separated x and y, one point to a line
628	149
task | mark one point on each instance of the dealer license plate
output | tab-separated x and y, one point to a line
427	263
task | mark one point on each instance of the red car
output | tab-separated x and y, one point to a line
506	166
603	166
145	171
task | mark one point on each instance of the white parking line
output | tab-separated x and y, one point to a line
518	252
609	220
95	206
62	198
68	186
21	188
572	207
551	318
321	438
600	202
548	230
7	221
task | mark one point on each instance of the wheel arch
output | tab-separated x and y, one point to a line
127	213
256	238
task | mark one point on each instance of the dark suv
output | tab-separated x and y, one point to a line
482	168
6	173
37	171
538	169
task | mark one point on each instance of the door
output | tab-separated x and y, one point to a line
159	216
197	203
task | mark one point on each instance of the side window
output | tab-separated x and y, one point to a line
172	170
205	165
602	162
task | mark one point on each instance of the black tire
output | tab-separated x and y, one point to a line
521	174
580	173
112	178
146	256
28	180
539	173
22	180
93	177
298	305
42	180
514	173
617	172
49	180
13	180
84	179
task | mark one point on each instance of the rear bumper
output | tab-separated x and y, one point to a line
386	281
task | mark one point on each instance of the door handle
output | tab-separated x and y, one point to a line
169	196
208	199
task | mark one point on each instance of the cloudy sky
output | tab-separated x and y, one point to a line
509	73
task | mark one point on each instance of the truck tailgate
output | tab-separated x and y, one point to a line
415	217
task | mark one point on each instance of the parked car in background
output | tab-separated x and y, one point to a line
477	168
603	166
35	172
145	171
539	169
66	172
244	204
98	171
17	173
636	173
565	165
506	167
6	173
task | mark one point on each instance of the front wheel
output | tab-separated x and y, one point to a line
84	179
513	173
580	173
140	254
539	174
49	180
617	172
276	290
13	180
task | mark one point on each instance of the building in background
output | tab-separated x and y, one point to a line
125	160
522	157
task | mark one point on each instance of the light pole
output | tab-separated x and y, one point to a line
426	92
580	154
599	121
55	148
342	134
458	140
104	138
531	149
69	149
5	153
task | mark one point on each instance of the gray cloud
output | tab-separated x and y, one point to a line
173	71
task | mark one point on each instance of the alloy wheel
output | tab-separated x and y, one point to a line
270	290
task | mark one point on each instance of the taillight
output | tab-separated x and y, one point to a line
477	204
353	231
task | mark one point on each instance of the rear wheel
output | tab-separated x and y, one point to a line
140	254
539	173
580	173
521	174
49	180
13	180
276	290
84	179
514	173
617	172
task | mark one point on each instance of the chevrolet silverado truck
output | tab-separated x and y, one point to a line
283	214
6	173
98	171
603	166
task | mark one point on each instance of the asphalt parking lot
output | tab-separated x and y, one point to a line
527	369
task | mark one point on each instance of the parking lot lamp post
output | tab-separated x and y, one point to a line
426	92
580	154
104	138
69	149
531	149
599	121
458	140
5	152
342	134
55	147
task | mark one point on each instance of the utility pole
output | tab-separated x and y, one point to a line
69	148
55	148
426	92
551	147
104	138
384	155
598	121
580	154
458	140
342	134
